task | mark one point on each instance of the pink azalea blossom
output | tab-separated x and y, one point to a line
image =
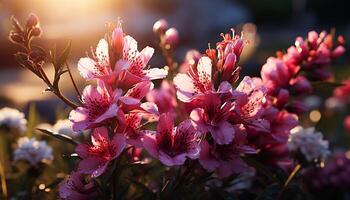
196	81
225	159
129	64
164	98
98	105
77	187
172	145
212	115
102	150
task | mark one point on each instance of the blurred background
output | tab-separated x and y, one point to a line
270	25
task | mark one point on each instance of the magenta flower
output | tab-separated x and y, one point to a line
196	81
98	105
77	187
172	145
102	150
212	116
128	66
225	159
275	74
249	102
164	98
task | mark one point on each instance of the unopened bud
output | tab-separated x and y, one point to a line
117	41
36	32
171	36
160	26
32	20
14	37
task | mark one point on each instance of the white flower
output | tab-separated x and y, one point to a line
309	143
33	151
64	127
13	118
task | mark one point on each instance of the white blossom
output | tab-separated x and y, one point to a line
308	142
33	151
13	119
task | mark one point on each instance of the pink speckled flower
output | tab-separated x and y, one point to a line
98	105
102	150
172	145
225	159
77	187
196	81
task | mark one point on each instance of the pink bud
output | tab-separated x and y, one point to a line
117	41
32	20
228	67
337	52
171	36
312	37
160	26
300	85
36	32
282	98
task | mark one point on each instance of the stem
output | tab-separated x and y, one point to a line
75	86
63	98
289	179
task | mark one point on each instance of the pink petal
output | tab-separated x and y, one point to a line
93	165
205	158
156	73
130	48
204	68
171	161
185	86
118	142
102	52
165	124
99	137
150	144
86	67
140	90
110	113
79	117
223	133
146	54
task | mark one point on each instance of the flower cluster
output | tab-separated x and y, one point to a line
13	119
33	151
291	73
309	143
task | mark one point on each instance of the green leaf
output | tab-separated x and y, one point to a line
59	136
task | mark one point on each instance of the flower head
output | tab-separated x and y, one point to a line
309	143
98	105
12	118
33	151
77	187
102	150
171	145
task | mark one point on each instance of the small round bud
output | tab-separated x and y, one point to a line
171	36
160	26
36	32
32	20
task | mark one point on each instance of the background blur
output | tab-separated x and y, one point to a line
270	24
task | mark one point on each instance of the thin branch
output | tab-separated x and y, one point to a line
73	82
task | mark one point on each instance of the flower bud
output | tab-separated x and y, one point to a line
347	123
338	51
171	36
118	41
160	26
14	37
32	20
300	85
36	32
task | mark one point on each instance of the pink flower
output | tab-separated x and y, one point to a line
196	81
171	36
98	66
102	150
343	92
275	74
211	116
98	105
172	145
164	97
225	159
77	187
120	62
249	102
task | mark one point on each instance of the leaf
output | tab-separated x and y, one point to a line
59	136
63	57
31	120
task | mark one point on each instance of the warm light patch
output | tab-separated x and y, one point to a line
315	116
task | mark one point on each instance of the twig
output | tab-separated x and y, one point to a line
73	82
